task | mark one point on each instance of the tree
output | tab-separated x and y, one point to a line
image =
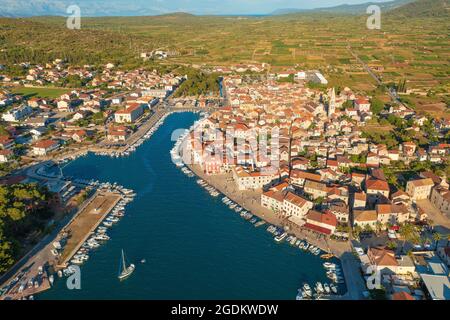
437	237
347	104
379	226
407	232
357	230
376	105
22	212
368	228
6	254
392	245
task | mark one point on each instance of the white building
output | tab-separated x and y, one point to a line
17	114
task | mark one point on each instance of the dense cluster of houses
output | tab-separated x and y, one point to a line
311	171
107	108
318	144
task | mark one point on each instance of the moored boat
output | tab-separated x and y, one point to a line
281	237
125	271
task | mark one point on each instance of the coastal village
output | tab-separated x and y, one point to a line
108	110
329	180
320	181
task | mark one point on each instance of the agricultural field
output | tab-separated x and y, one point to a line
415	50
51	93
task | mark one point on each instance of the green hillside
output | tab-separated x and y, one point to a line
423	8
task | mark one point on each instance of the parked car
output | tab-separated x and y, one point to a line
392	234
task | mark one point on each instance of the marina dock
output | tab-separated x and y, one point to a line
87	220
250	201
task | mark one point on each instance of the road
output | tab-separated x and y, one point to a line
391	93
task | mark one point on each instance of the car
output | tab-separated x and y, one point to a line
392	234
359	251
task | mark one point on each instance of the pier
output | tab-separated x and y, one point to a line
41	262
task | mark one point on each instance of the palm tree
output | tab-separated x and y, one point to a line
357	230
407	233
430	223
379	225
437	237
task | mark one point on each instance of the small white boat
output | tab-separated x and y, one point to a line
293	240
333	288
281	237
307	289
107	223
76	261
329	265
102	237
319	287
125	271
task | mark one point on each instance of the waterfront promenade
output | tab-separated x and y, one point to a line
250	200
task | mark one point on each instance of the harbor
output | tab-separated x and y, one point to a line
155	230
189	240
72	244
247	204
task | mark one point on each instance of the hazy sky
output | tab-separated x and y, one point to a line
142	7
241	6
254	6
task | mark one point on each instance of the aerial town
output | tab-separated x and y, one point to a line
292	155
331	182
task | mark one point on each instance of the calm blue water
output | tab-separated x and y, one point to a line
195	247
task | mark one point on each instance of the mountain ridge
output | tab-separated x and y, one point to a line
346	8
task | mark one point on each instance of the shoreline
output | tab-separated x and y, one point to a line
38	251
250	201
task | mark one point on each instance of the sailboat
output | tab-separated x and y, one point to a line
125	271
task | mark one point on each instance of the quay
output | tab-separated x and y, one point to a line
250	201
41	263
79	225
85	222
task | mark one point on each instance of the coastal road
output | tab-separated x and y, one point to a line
353	278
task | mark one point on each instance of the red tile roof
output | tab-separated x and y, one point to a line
325	218
317	228
402	296
376	184
45	144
